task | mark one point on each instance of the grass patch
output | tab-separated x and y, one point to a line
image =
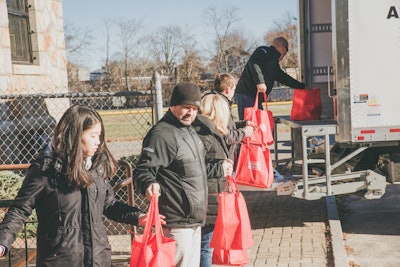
126	125
133	124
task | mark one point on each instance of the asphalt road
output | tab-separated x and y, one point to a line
371	228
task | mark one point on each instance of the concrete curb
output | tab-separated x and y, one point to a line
338	250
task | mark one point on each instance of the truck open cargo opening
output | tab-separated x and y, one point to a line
350	49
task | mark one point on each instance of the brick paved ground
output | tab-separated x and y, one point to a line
288	231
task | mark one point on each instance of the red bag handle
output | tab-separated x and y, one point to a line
265	99
230	185
153	219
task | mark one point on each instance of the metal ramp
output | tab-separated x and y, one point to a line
323	182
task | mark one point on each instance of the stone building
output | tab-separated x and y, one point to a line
32	48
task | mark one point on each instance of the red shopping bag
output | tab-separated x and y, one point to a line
232	227
306	105
232	257
264	120
232	232
153	249
254	166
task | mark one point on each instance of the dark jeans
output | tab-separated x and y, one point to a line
206	252
244	101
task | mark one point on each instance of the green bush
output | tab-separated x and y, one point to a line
10	183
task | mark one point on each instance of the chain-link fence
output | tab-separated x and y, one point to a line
27	121
26	124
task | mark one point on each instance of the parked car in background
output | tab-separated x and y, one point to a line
25	126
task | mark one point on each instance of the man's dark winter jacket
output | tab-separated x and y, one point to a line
216	152
263	67
173	156
70	220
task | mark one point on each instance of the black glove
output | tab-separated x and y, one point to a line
302	86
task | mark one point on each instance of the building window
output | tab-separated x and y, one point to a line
20	32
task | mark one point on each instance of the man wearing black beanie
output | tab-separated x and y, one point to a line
172	166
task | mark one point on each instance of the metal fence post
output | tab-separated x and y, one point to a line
158	93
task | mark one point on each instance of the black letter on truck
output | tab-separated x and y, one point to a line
392	13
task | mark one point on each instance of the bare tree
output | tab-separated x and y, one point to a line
222	21
129	32
77	39
116	72
165	44
108	23
286	27
77	42
142	66
238	52
191	62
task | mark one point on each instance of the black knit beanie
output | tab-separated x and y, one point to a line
186	94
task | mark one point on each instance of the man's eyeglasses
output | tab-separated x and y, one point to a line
286	47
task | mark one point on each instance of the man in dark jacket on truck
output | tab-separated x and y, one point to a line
261	71
172	166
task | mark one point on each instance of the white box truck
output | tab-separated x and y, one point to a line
350	49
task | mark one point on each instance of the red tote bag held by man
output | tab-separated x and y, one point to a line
264	121
153	249
306	105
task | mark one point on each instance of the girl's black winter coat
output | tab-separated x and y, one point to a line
70	220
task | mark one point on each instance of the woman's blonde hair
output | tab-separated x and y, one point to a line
216	108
